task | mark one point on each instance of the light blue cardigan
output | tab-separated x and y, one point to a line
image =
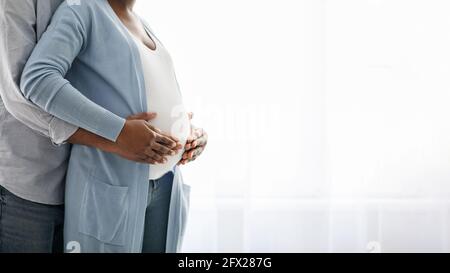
86	70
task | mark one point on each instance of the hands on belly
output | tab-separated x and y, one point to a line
195	145
141	142
158	145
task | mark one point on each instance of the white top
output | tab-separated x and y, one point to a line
164	98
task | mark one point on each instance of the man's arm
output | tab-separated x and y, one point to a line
17	40
83	137
43	82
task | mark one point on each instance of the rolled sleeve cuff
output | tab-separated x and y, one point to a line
69	105
60	131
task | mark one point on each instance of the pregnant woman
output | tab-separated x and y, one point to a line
97	63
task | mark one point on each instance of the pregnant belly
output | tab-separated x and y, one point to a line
172	118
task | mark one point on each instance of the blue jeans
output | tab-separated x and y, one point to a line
26	226
157	214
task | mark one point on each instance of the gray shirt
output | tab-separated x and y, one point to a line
31	166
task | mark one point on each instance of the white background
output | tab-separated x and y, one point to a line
329	122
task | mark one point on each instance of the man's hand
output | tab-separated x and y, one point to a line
139	141
83	137
195	144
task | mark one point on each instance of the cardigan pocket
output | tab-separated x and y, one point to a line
104	210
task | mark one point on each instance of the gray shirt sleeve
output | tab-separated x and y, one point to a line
18	37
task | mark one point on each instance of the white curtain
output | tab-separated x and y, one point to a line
329	122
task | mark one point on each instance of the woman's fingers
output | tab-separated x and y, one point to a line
187	160
193	159
198	152
202	141
189	141
200	132
182	162
193	153
190	138
195	145
195	148
197	138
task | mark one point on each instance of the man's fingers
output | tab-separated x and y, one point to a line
149	160
154	129
159	159
134	158
152	161
152	154
143	159
164	138
173	138
163	150
167	141
143	116
152	115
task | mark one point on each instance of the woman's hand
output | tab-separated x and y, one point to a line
195	144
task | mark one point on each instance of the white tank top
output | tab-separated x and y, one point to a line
164	98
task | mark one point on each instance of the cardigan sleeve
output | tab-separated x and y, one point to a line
17	39
44	84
